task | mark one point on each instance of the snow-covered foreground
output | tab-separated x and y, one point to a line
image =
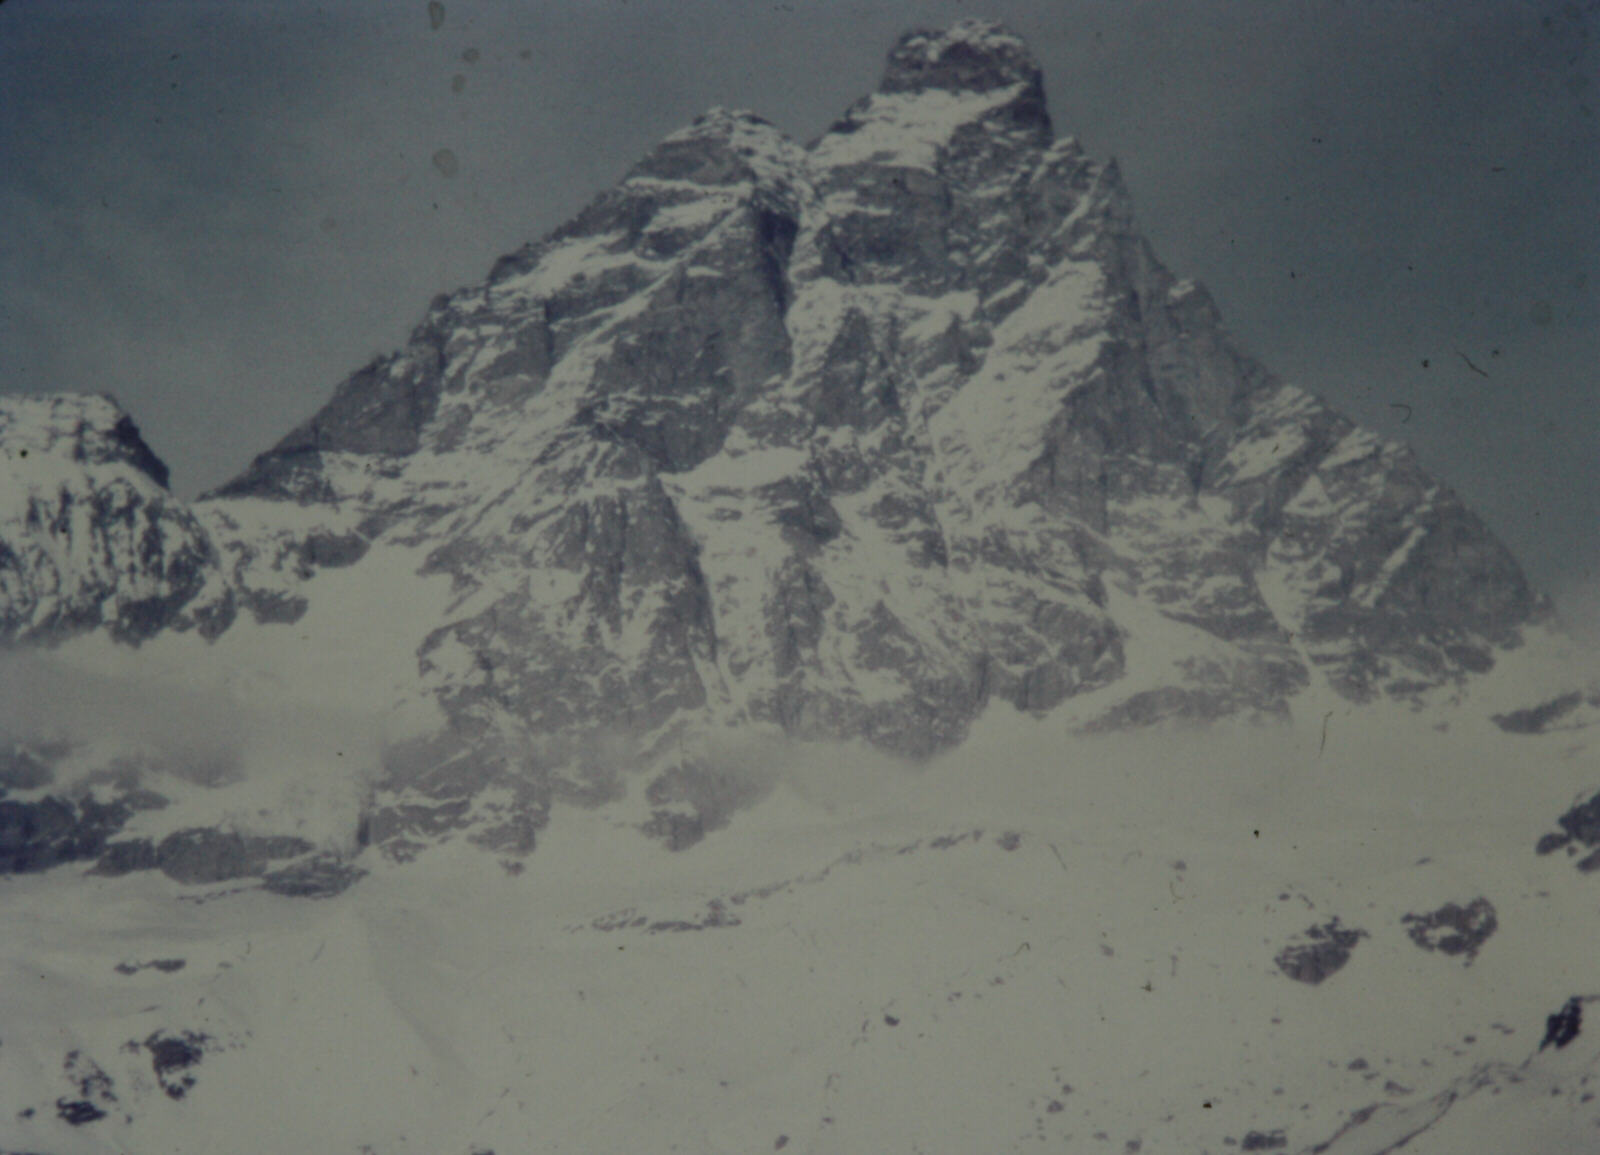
1040	943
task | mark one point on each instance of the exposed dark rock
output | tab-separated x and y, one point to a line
1580	826
1538	719
698	155
127	856
716	917
173	1058
1563	1026
323	876
293	473
77	1112
1582	822
204	855
39	835
379	409
1264	1141
139	455
1324	955
95	1091
274	607
1552	842
332	550
969	56
164	965
1453	929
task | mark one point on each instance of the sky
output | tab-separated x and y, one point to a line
216	210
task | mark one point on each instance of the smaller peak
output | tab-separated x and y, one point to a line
61	410
721	146
969	56
88	428
720	121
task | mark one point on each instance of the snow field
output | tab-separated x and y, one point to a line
895	982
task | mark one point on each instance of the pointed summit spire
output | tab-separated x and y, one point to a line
969	56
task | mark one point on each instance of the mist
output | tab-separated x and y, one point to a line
269	766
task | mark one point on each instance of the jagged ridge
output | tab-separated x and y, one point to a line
847	441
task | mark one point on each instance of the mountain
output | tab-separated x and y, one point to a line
92	539
900	447
843	441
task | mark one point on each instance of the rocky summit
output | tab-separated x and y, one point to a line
848	440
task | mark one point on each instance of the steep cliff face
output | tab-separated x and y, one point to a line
89	535
848	440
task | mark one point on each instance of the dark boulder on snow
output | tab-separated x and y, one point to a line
203	855
1580	826
39	835
1453	929
1325	952
1563	1026
321	876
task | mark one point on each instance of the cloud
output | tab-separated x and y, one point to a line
277	766
1578	611
44	699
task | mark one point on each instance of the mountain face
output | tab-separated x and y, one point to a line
89	536
850	440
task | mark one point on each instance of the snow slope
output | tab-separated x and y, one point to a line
1040	941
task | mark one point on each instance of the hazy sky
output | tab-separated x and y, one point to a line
215	210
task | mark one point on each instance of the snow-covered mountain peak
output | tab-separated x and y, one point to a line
86	429
89	535
855	441
967	100
971	55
